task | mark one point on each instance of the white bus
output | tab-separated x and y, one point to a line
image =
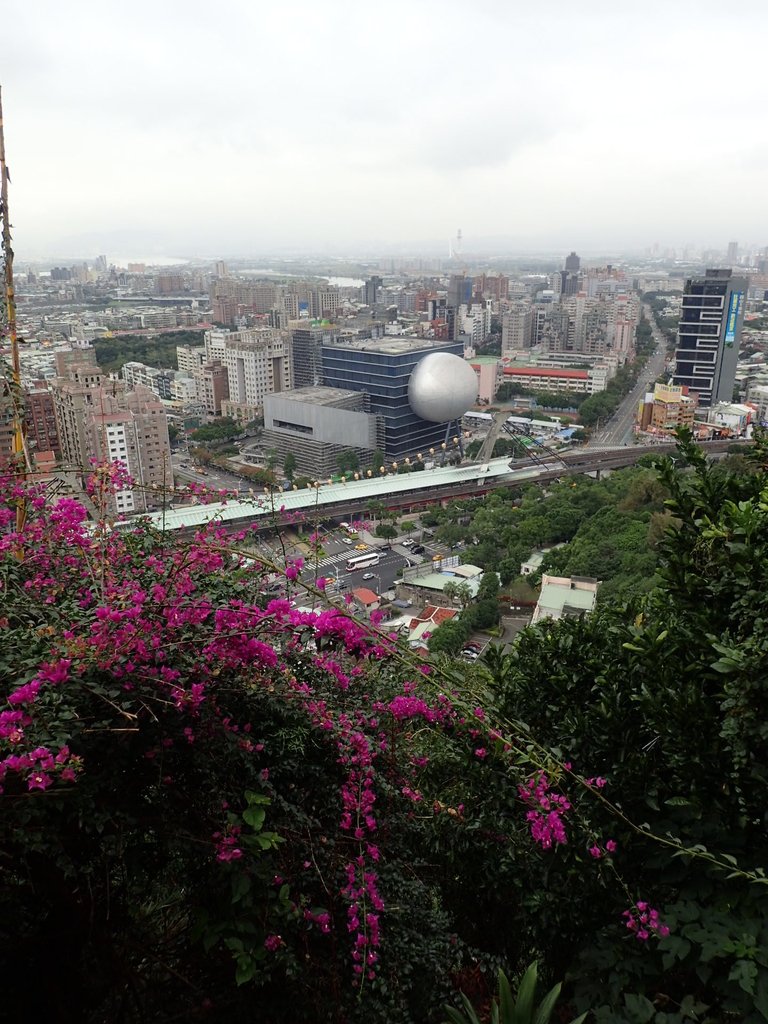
363	561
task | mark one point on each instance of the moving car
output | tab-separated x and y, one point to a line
418	549
368	576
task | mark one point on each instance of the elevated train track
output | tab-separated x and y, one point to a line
426	493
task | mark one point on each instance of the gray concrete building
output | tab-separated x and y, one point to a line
317	424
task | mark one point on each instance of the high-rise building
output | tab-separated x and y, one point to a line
459	294
371	290
733	253
169	284
473	323
492	286
307	345
708	335
258	362
516	328
40	414
214	386
190	358
572	263
101	421
382	369
7	426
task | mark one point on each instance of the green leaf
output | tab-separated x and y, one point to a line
454	1017
547	1005
244	971
241	884
254	816
523	1011
745	973
505	998
471	1015
641	1010
255	798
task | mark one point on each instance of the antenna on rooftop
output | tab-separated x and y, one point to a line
8	324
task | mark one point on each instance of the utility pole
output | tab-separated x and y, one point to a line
9	327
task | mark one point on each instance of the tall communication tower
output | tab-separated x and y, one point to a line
454	246
12	386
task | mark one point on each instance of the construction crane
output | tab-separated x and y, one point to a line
534	450
8	328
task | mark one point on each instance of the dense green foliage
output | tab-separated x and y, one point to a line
192	860
609	528
156	350
222	429
507	391
671	706
518	1009
659	301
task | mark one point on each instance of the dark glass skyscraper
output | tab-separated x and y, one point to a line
709	334
382	368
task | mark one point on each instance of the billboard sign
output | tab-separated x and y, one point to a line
732	319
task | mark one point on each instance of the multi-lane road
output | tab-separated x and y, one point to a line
619	429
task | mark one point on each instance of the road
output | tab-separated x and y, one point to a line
216	478
619	429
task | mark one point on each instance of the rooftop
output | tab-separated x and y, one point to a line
538	371
565	596
392	346
317	395
438	581
271	505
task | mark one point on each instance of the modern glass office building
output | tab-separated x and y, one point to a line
709	334
382	368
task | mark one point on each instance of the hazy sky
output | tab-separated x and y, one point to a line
243	127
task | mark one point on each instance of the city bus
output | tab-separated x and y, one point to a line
363	561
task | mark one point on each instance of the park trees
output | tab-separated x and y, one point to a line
289	465
348	462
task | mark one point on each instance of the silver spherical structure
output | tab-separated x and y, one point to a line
442	387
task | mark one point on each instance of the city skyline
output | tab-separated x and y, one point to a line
343	128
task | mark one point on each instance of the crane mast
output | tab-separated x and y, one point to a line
8	324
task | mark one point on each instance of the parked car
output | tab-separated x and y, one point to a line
470	654
407	543
418	549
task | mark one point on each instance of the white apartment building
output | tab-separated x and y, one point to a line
190	358
258	362
517	328
474	322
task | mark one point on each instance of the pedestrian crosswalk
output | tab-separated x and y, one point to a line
331	561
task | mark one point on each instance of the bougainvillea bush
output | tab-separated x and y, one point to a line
220	806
